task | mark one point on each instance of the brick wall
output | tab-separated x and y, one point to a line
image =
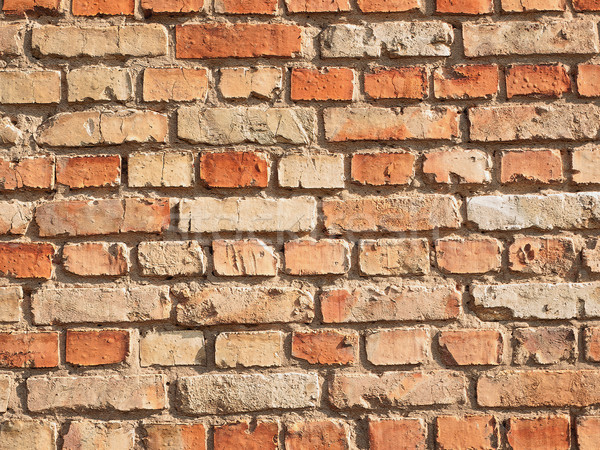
299	224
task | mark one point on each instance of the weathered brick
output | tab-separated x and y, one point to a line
324	434
70	41
253	306
301	6
222	126
458	166
99	84
588	432
531	38
460	82
26	260
240	40
36	173
172	348
161	169
472	255
538	166
393	256
585	160
323	257
96	259
587	80
586	5
95	348
398	346
591	339
177	84
237	393
533	5
234	169
539	432
88	171
465	6
463	432
30	87
171	258
28	434
10	39
394	303
88	435
111	216
9	131
374	6
535	388
160	436
327	84
591	256
542	255
311	171
15	217
546	212
249	349
250	257
100	304
326	347
544	345
402	82
542	80
97	393
262	436
380	169
172	6
11	298
471	347
108	7
19	7
387	124
205	215
348	390
397	434
266	7
245	82
29	349
390	214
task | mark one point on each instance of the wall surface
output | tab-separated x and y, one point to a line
299	224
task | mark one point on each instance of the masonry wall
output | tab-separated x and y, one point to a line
299	224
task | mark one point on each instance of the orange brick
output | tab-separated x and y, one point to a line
267	7
95	348
108	7
381	169
546	80
585	163
34	173
539	432
20	7
176	436
471	347
591	337
466	432
88	171
234	169
586	5
323	435
239	40
300	6
172	6
26	260
324	257
533	5
264	436
325	347
476	81
328	84
542	255
473	255
398	346
96	259
539	166
588	80
588	433
375	6
465	6
403	82
457	166
29	350
397	434
177	84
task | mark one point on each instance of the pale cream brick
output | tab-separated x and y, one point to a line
99	83
172	348
88	435
11	42
11	298
312	171
27	434
30	87
167	169
171	258
243	82
247	349
244	258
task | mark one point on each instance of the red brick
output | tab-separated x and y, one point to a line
538	166
588	79
324	257
403	82
398	346
29	350
473	255
539	432
95	348
465	6
26	260
146	215
175	436
544	345
34	173
300	6
466	432
234	169
22	6
88	171
542	255
397	434
97	7
172	6
175	84
267	7
322	435
374	6
263	436
328	84
325	347
237	41
471	347
586	5
591	338
96	259
477	81
380	169
588	433
545	80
